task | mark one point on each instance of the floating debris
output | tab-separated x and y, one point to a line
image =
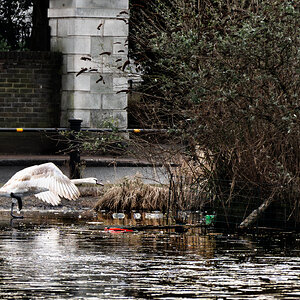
118	216
118	229
209	219
137	216
154	215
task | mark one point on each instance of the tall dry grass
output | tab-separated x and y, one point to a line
132	194
187	190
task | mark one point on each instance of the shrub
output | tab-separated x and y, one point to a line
224	77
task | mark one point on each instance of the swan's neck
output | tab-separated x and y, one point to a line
85	180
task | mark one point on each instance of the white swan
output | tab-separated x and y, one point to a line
46	182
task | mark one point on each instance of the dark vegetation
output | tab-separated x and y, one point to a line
24	25
223	78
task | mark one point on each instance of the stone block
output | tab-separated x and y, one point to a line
87	100
71	82
73	45
113	64
54	44
114	101
109	62
74	63
104	86
97	13
61	3
64	117
80	100
64	64
120	45
106	13
120	83
121	118
100	45
115	27
53	27
82	45
85	26
82	82
120	4
67	100
63	27
97	43
82	114
99	117
60	12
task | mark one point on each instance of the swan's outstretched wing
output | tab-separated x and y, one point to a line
48	197
44	177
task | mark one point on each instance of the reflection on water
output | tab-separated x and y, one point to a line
82	261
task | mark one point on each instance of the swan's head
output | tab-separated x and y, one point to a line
89	180
94	180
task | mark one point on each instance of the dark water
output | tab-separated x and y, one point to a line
64	259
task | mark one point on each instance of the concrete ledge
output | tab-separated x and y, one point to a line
120	4
85	12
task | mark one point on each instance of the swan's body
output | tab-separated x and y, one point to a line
45	181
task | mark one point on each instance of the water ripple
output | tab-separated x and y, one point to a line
82	262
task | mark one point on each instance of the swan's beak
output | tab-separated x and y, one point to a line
99	183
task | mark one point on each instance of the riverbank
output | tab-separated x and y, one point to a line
61	160
107	169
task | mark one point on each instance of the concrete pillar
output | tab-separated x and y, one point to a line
89	28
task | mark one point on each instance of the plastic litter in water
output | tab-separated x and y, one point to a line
118	229
155	215
118	216
137	216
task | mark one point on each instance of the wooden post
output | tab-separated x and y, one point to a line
74	163
256	213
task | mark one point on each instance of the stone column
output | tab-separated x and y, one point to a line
91	34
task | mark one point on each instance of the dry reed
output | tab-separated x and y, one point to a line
186	191
133	194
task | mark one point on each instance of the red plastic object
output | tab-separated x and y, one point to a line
117	229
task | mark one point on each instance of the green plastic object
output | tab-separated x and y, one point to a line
209	219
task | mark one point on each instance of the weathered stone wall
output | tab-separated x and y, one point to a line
30	85
87	28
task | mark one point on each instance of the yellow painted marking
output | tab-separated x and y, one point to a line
19	129
136	130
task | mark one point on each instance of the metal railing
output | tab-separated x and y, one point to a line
135	130
75	126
